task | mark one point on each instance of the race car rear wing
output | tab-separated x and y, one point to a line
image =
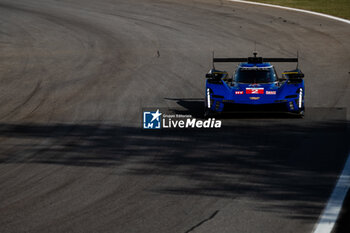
255	59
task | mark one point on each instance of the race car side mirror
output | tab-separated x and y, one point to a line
293	74
296	76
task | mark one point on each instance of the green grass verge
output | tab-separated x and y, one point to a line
340	8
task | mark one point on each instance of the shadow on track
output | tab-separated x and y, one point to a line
290	162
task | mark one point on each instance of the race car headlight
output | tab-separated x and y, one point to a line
208	98
291	105
300	101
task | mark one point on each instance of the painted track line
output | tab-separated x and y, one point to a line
294	9
330	214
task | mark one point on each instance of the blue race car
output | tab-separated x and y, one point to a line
255	87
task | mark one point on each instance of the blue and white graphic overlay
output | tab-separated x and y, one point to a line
152	120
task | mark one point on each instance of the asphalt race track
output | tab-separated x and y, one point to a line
75	75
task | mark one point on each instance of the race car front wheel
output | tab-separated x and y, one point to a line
208	113
301	114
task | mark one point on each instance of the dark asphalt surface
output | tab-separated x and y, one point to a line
343	224
75	75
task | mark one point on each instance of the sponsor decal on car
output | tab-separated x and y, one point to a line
254	98
239	92
254	90
270	92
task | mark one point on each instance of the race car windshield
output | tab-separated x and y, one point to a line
258	75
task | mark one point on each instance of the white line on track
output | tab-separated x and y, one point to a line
330	213
294	9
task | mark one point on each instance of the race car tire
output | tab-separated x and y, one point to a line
301	114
